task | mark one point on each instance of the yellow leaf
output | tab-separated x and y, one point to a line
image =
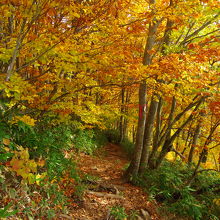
6	141
170	156
32	165
76	15
6	149
24	154
22	172
26	119
40	177
31	178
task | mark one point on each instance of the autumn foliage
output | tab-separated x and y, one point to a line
146	69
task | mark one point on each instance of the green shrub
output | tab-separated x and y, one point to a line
187	205
128	146
49	143
88	140
113	136
100	137
168	185
118	213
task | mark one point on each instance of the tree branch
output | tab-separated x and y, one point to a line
200	29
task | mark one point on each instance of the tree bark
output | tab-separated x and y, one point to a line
169	124
148	134
135	162
16	51
125	127
121	123
194	143
157	133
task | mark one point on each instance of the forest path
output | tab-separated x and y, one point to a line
110	191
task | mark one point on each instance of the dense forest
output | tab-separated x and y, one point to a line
101	96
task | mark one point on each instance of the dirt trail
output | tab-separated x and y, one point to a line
108	166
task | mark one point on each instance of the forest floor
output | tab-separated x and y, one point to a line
109	190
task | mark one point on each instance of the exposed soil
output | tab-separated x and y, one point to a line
108	165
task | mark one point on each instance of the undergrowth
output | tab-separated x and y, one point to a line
118	212
113	136
38	177
88	140
168	186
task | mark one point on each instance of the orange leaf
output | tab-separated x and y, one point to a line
6	141
41	163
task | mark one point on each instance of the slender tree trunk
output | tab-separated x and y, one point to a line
121	123
135	162
186	136
170	123
148	133
171	116
157	133
125	127
133	133
203	155
165	138
190	180
158	124
177	118
16	50
156	143
169	142
194	143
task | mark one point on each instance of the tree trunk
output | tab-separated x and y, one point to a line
158	124
170	123
177	118
169	142
194	143
133	133
147	60
157	133
187	136
125	127
148	133
203	155
135	162
121	123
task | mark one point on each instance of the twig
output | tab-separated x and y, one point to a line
107	195
200	171
174	150
65	216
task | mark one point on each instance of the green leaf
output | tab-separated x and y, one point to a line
4	213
